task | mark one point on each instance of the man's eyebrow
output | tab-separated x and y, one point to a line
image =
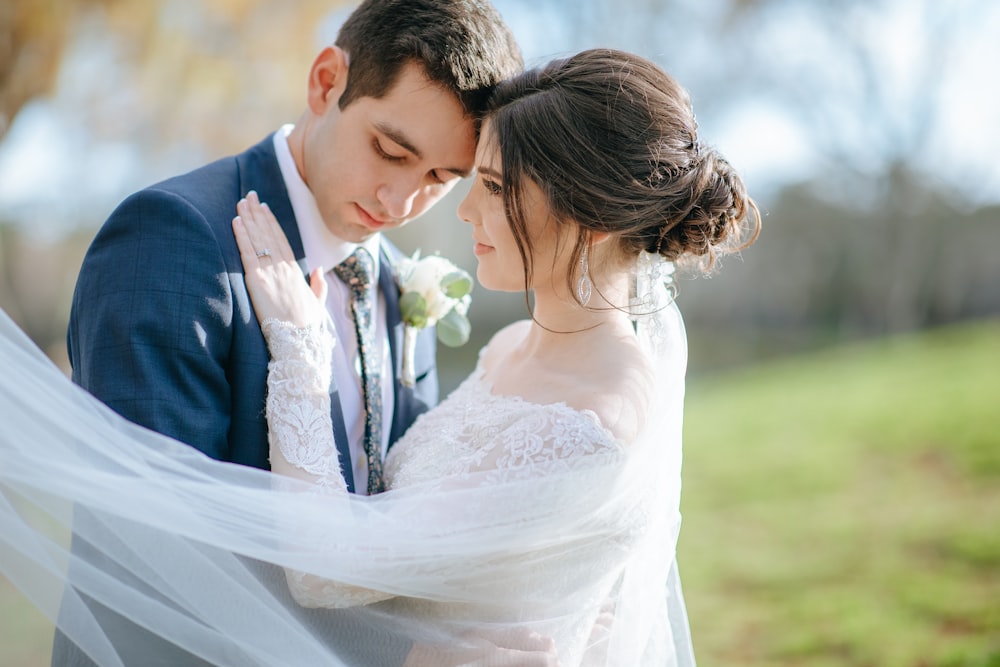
397	136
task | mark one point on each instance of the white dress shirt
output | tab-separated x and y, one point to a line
324	249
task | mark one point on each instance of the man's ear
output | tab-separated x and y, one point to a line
327	79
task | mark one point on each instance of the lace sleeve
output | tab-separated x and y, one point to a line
299	427
300	439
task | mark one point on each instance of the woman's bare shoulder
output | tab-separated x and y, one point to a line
617	388
503	340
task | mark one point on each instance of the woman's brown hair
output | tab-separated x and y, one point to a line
611	140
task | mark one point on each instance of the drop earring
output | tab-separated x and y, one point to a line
584	286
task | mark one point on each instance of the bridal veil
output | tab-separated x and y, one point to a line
193	551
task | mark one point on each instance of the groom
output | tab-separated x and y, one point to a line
161	327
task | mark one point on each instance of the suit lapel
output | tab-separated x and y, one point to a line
394	329
259	171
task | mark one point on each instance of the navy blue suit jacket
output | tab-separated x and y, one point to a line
162	330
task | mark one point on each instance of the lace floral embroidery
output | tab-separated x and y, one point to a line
474	430
300	435
298	400
473	435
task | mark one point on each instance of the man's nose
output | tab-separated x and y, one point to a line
397	199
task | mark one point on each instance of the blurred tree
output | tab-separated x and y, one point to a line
156	71
32	36
869	81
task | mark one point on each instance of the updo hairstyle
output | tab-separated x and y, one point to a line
611	140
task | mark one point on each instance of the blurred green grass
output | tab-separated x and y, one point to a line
841	508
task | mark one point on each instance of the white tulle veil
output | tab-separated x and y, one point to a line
190	550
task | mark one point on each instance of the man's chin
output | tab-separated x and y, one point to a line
350	231
361	237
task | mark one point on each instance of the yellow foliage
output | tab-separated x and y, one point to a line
217	73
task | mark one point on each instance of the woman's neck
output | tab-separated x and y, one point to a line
559	320
586	357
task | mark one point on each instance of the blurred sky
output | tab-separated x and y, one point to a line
52	167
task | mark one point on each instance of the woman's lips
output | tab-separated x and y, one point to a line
481	249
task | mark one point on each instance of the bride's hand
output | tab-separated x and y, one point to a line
513	647
273	278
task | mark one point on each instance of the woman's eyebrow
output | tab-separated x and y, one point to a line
489	171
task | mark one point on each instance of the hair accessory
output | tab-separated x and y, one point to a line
584	286
653	288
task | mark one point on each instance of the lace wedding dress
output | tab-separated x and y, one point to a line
501	516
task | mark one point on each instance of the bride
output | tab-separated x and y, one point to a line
532	516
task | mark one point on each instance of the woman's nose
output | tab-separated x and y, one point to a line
466	208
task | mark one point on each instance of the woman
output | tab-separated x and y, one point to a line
538	505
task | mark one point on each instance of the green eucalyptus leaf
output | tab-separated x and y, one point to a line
456	284
413	308
453	329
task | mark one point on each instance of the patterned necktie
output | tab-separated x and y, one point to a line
357	272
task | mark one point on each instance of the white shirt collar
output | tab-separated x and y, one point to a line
321	247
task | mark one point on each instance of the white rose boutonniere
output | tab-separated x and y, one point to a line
434	292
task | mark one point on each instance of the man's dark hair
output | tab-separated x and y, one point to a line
462	45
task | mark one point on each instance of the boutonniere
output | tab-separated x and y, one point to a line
434	292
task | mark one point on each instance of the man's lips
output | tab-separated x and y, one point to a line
368	220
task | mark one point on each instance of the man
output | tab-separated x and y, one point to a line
161	327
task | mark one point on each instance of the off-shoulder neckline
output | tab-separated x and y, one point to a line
477	380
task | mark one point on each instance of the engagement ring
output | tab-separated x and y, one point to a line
264	252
